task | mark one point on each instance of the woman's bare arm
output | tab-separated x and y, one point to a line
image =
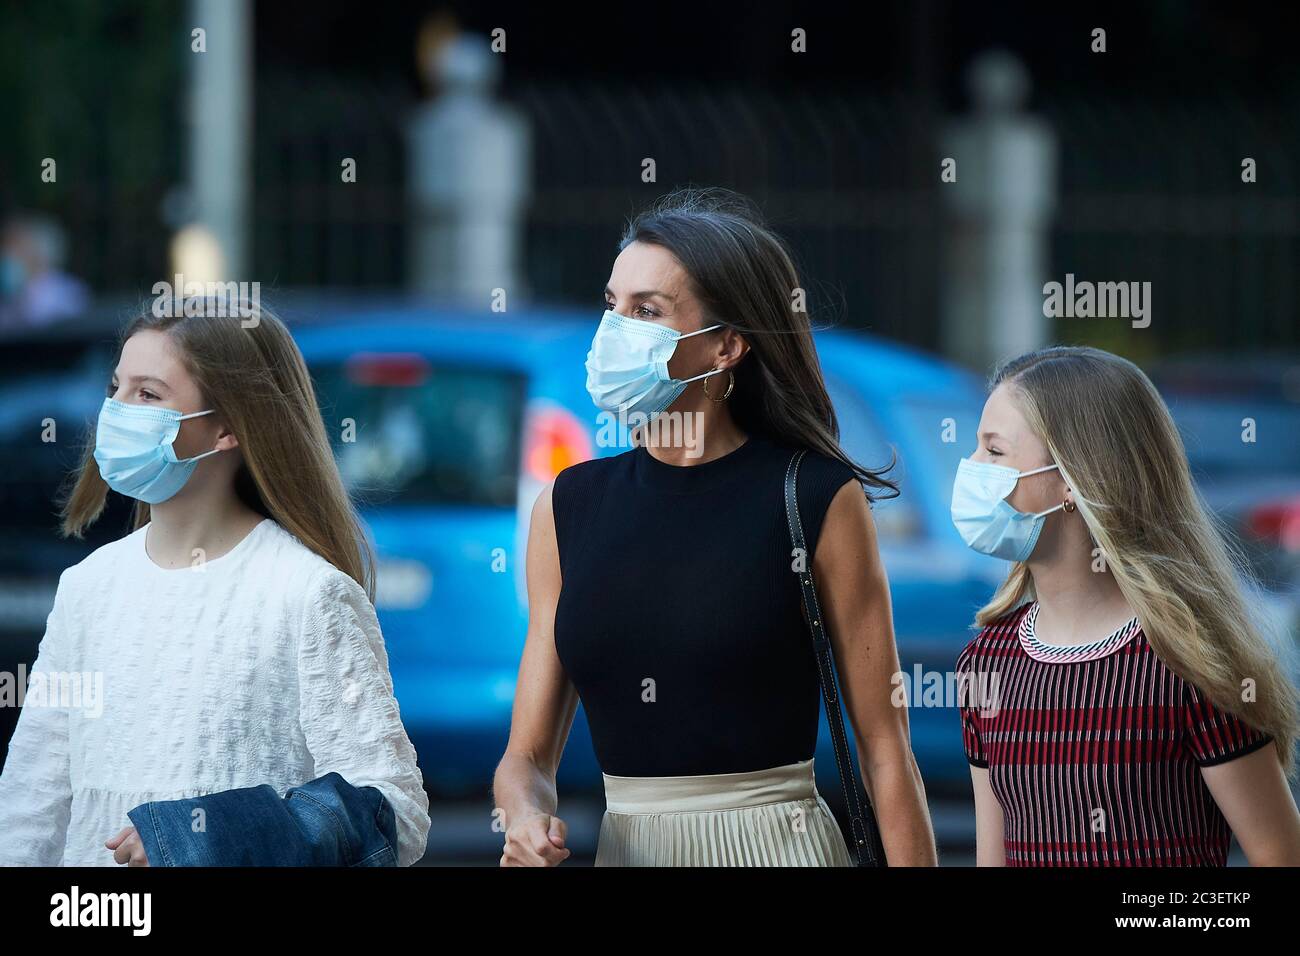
1252	793
544	706
852	586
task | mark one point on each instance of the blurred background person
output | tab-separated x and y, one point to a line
35	289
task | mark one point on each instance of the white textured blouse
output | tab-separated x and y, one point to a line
262	666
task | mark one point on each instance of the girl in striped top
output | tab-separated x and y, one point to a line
1120	706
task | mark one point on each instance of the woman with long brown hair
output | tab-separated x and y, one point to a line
1121	704
664	591
230	637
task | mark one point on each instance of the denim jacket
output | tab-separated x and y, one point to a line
325	822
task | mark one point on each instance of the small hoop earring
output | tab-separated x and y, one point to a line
1068	506
731	383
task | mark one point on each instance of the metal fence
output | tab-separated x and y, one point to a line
1148	191
843	178
1154	192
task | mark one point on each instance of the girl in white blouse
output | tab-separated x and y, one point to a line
230	640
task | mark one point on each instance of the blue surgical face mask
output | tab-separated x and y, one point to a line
133	446
627	367
984	519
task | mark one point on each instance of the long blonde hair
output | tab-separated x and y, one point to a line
1108	429
249	368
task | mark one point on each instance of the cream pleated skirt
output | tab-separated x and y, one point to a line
771	817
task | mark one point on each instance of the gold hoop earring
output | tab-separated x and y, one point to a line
1068	506
731	383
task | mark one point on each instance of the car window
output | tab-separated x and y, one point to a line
50	394
409	431
1213	430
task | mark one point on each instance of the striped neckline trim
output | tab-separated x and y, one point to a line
1070	654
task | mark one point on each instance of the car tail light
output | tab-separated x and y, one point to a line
556	439
1277	522
389	369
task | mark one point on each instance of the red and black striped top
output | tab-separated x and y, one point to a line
1094	752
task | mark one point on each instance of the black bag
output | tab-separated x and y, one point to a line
862	820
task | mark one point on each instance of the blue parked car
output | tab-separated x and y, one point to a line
448	425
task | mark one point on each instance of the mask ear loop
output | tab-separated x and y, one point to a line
715	371
687	381
687	335
185	461
1035	471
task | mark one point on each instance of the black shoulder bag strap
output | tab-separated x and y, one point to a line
862	821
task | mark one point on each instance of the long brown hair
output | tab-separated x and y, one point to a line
746	280
249	368
1109	431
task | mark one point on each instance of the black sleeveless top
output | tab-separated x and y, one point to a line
679	619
